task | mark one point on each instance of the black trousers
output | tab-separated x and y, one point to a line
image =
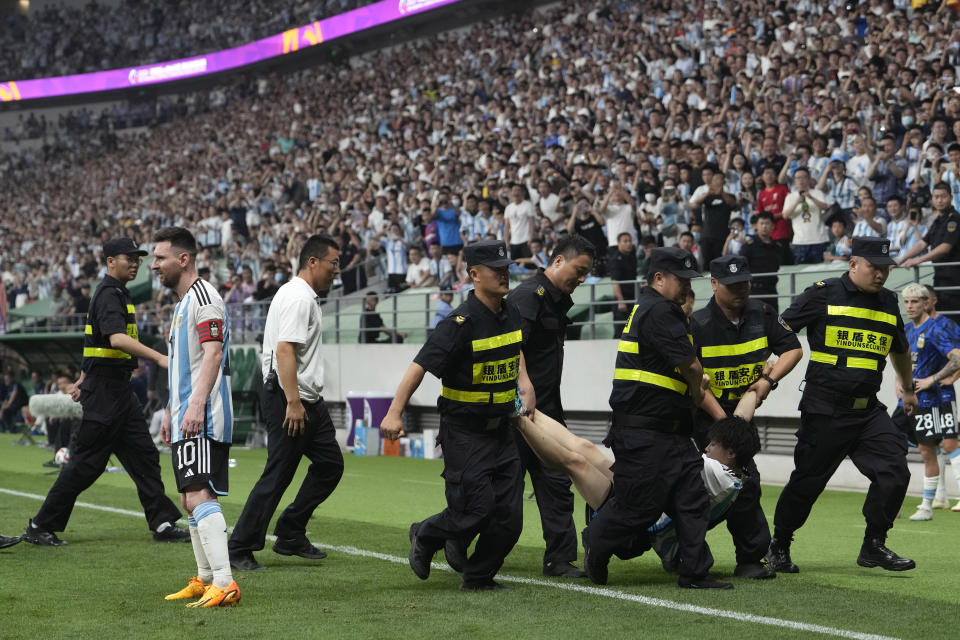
113	423
484	491
318	443
746	521
654	472
710	248
873	443
554	498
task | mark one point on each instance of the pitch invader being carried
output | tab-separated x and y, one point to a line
199	421
936	356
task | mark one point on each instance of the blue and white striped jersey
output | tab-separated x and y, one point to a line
903	236
396	253
199	317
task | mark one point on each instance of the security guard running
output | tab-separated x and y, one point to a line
735	335
852	324
113	420
475	351
657	383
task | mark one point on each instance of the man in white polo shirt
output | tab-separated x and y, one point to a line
298	423
804	206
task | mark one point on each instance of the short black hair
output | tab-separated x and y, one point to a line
316	246
738	435
942	186
179	238
624	233
573	245
764	215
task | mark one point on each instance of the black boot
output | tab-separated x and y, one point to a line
874	553
778	557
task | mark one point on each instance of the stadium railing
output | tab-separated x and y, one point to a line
412	311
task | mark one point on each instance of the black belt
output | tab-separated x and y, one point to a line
477	424
630	421
112	373
840	400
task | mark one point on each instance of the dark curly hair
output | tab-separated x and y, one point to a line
738	435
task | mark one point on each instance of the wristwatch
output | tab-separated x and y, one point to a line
773	383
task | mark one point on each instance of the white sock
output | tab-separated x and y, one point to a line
204	572
929	490
212	529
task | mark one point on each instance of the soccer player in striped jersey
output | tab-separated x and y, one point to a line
198	423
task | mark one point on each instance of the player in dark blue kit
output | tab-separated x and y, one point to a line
948	396
935	356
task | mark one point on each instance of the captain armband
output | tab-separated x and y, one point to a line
210	330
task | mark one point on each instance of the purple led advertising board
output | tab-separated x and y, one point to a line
280	44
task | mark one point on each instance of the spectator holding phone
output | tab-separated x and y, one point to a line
804	207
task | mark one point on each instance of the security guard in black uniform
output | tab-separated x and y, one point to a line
657	383
943	240
734	336
476	353
852	324
113	420
543	301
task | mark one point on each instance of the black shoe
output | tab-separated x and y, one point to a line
244	561
704	582
301	548
562	570
51	464
456	555
419	557
596	568
8	541
41	538
484	585
173	533
778	557
874	553
754	571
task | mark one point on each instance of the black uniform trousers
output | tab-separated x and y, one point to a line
873	443
318	442
654	472
113	423
746	521
484	491
554	498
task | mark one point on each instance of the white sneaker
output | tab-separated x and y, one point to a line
956	507
940	503
923	513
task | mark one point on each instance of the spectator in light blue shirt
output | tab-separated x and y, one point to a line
448	224
444	307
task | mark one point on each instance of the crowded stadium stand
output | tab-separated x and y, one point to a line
610	118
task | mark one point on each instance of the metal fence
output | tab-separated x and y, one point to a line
592	312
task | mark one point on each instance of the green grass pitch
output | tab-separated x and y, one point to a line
110	580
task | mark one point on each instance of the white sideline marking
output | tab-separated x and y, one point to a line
566	586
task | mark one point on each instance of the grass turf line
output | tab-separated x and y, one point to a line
110	566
